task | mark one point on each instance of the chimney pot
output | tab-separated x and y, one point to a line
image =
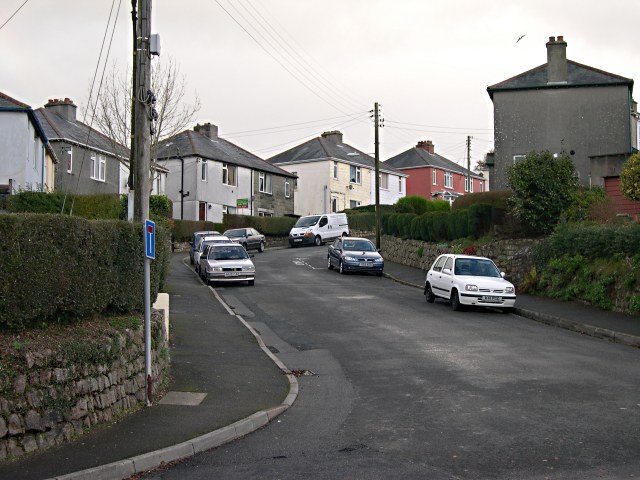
557	60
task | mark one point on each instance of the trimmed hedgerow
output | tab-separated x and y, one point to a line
57	268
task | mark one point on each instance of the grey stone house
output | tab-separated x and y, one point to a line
89	162
210	176
563	106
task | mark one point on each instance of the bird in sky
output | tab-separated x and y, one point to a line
521	37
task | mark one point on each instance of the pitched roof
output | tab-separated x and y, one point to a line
322	149
191	143
419	157
6	102
578	75
59	128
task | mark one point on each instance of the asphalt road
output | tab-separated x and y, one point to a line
399	388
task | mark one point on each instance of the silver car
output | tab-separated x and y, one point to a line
202	245
227	262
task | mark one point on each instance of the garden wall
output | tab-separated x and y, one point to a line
50	396
514	257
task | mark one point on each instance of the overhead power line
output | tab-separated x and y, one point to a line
14	14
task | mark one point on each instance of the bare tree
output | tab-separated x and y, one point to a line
111	111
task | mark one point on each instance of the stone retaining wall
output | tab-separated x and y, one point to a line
514	257
52	399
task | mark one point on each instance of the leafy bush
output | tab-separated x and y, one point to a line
412	204
77	267
630	177
480	219
495	198
364	222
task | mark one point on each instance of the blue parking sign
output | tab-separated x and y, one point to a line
150	239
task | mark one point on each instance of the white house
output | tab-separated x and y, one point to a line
333	176
26	158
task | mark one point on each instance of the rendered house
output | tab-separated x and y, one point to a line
333	176
433	176
564	106
209	176
89	161
26	157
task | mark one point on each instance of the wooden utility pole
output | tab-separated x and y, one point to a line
142	97
376	117
469	164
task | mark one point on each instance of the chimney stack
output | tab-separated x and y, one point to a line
556	60
428	145
335	136
208	130
65	108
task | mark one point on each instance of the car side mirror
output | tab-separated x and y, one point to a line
446	271
502	274
379	250
252	255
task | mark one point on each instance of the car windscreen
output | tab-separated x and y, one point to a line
358	245
234	233
230	252
476	267
307	221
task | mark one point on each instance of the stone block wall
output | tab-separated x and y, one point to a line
49	399
514	257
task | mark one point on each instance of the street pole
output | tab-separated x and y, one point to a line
142	98
377	159
468	164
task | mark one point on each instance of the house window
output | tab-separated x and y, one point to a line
264	182
203	170
229	209
334	205
518	158
481	186
355	175
384	181
448	179
287	189
399	184
335	170
98	167
434	176
468	184
265	213
70	163
229	174
354	203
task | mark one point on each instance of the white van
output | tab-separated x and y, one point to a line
317	229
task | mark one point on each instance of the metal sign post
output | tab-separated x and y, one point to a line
150	254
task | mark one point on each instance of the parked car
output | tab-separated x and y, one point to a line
195	240
204	242
354	254
468	280
317	229
249	238
227	262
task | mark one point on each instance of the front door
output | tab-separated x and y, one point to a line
202	211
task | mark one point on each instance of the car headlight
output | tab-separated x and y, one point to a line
471	288
379	260
349	259
249	269
509	290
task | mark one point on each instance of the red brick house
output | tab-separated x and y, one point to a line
433	176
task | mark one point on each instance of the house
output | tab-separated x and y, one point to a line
564	106
26	158
210	176
433	176
89	161
333	176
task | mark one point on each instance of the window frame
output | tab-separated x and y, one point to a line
287	189
98	167
384	181
355	174
204	171
229	174
70	163
264	182
448	179
335	170
434	177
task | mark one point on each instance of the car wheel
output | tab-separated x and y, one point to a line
455	301
329	266
318	241
428	293
251	282
261	247
342	270
379	274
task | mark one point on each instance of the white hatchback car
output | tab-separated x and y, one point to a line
468	280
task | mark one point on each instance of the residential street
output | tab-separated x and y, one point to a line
399	388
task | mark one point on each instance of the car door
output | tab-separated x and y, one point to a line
335	252
252	238
438	286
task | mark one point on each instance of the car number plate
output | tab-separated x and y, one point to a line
489	298
364	264
297	239
231	274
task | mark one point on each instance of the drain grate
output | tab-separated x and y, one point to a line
302	373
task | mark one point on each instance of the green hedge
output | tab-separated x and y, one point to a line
495	198
274	226
59	268
589	241
183	229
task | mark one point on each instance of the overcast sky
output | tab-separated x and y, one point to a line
274	73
